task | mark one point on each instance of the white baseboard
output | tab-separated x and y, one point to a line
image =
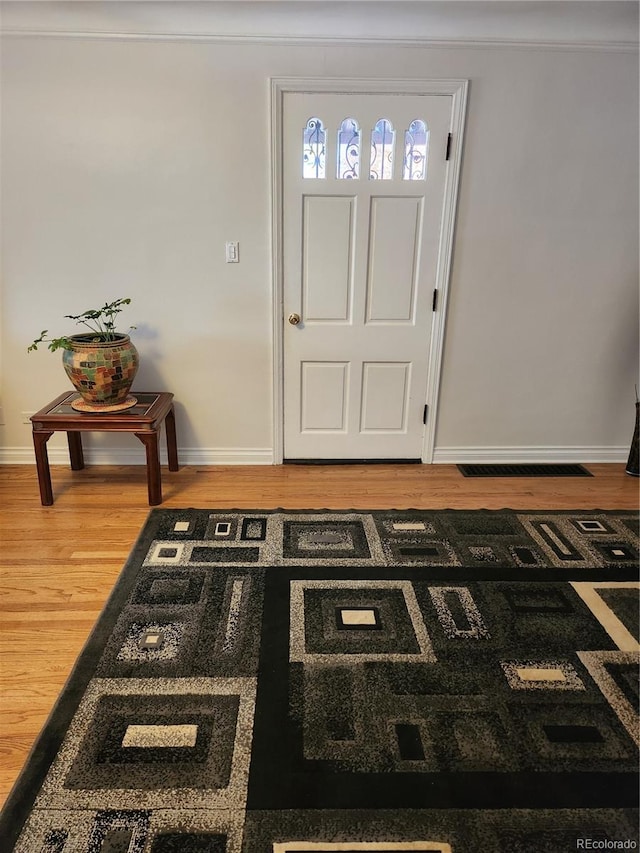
225	456
136	456
517	455
23	456
265	456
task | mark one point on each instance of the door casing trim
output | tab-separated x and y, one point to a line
457	89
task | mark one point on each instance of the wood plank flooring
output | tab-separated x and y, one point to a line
59	563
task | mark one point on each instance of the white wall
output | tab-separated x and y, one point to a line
127	164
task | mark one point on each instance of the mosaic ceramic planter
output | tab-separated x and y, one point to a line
102	372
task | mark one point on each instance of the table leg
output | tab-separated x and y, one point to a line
40	440
172	446
154	483
75	450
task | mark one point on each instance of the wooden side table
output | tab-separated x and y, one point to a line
143	420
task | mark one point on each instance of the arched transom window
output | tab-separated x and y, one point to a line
348	149
416	140
382	142
349	153
313	149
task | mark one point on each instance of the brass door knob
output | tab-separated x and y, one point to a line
294	319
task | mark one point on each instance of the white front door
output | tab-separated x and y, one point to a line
363	191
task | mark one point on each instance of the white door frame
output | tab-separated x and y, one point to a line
280	86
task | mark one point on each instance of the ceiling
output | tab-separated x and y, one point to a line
605	23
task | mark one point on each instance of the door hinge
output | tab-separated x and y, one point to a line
424	414
448	153
434	303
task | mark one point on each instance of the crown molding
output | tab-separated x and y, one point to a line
329	41
481	24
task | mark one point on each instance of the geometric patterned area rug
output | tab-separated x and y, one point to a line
403	680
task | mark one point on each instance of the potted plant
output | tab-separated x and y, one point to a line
101	363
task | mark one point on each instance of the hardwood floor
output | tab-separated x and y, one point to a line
59	563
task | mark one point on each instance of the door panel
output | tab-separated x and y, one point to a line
324	394
327	274
394	258
360	257
385	397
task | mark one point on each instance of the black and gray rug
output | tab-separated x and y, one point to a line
291	681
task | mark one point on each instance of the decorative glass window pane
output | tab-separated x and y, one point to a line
416	141
382	137
313	149
349	149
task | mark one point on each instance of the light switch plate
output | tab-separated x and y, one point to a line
232	249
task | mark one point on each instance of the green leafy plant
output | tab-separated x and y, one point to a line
101	323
